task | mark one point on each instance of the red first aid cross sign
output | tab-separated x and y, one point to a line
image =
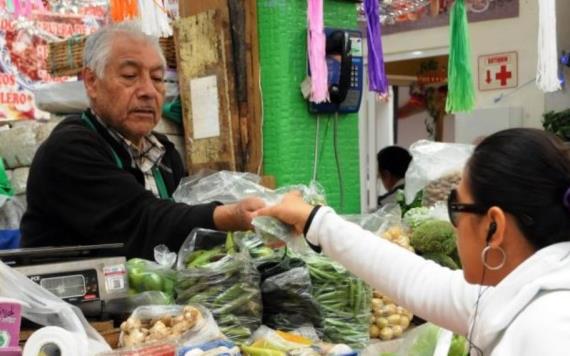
498	71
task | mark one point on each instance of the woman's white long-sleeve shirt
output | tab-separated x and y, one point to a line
528	313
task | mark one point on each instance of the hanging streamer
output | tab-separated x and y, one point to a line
377	80
461	93
547	78
316	49
122	10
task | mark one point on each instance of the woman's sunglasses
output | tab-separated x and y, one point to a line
454	208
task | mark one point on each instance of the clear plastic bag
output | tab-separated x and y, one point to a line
224	187
146	276
42	307
211	272
269	339
425	340
230	187
286	288
344	301
173	320
431	161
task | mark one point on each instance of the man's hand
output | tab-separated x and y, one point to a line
292	210
238	216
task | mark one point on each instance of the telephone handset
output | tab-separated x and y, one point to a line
345	66
338	45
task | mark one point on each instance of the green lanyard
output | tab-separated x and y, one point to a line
162	191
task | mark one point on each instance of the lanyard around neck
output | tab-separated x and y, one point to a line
162	191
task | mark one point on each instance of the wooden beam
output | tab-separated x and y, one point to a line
254	142
203	53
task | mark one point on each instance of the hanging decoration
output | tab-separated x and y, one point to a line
547	78
26	29
392	10
154	18
122	10
461	96
377	81
316	50
23	8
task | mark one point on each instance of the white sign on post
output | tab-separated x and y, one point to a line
498	71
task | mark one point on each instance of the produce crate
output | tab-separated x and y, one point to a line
66	57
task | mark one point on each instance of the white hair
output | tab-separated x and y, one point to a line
98	45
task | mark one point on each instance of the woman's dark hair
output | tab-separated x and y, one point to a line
394	159
526	172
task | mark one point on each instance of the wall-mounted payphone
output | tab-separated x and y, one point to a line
345	72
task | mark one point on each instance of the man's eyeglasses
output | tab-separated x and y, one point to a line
454	208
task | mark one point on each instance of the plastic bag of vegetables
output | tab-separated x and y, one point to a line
432	161
148	276
344	301
185	325
225	281
286	288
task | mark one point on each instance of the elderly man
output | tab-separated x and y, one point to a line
104	176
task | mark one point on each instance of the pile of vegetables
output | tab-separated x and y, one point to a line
435	240
388	320
146	276
226	282
136	331
344	301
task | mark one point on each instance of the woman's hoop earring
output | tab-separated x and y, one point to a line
484	258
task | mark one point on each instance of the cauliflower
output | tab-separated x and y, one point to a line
434	236
416	216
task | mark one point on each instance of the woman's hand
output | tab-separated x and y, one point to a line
291	210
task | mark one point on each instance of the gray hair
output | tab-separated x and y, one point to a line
98	45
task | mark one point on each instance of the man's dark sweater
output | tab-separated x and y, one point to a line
77	195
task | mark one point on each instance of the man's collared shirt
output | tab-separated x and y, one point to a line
145	159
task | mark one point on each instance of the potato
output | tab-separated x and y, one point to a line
397	330
394	319
389	309
386	333
381	322
404	322
374	331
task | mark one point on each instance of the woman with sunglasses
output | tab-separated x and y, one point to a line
512	214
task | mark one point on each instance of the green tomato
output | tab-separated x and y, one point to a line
136	278
152	281
136	262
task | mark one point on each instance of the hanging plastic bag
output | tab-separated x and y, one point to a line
44	308
432	161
